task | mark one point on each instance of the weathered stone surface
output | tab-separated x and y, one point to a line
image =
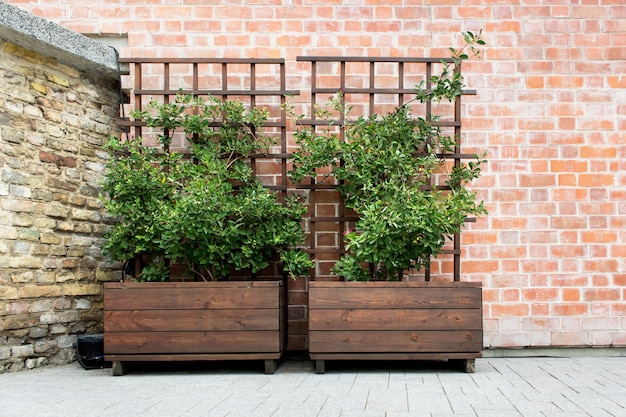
23	351
39	291
38	332
56	317
81	289
19	321
53	122
64	161
56	210
8	293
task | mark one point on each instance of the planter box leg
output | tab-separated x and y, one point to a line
320	367
119	368
270	366
467	365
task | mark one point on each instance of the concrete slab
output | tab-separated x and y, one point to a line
501	387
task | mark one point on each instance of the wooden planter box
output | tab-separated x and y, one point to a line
395	321
192	321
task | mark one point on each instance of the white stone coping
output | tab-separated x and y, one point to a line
49	39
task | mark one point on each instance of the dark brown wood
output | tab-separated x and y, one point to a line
382	295
194	321
193	296
207	60
395	341
191	320
397	356
394	321
194	357
192	342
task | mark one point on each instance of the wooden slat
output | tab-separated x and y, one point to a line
400	297
395	319
210	295
323	58
395	342
395	356
205	60
190	320
191	342
195	357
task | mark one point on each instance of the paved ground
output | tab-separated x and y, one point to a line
501	387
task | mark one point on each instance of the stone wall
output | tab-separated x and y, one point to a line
53	121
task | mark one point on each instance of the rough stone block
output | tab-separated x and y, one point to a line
8	293
40	291
39	306
40	88
59	317
44	346
66	341
82	304
22	220
44	277
58	329
87	215
65	276
69	263
38	332
62	304
56	210
23	351
63	185
5	352
64	226
21	248
57	250
19	321
28	234
44	223
20	191
51	263
24	261
8	232
11	135
13	177
23	277
50	238
21	206
77	200
81	289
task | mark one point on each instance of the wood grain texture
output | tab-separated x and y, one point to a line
395	341
191	342
142	320
190	320
395	320
379	297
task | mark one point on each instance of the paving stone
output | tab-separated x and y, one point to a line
501	387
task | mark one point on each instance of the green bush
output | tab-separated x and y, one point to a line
384	168
205	210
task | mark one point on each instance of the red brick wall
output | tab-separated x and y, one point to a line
549	109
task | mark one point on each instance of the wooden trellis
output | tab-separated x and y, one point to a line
371	85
